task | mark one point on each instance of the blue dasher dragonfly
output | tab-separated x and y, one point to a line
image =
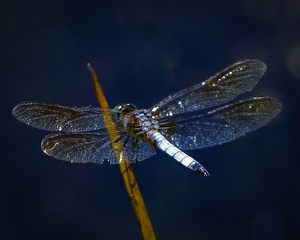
193	118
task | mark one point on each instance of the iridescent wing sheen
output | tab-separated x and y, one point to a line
59	118
95	147
221	88
200	129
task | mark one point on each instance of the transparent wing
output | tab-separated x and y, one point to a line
94	147
136	150
197	130
59	118
222	87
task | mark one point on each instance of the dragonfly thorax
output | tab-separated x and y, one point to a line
136	123
144	118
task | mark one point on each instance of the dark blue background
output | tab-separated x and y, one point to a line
143	51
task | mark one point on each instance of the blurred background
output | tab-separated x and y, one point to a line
142	51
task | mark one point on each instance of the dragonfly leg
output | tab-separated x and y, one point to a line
130	167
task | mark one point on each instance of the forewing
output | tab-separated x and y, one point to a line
94	147
222	87
59	118
223	124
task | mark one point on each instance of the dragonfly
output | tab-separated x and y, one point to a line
193	118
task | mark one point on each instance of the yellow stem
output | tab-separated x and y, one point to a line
131	185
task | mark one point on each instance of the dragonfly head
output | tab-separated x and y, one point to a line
122	109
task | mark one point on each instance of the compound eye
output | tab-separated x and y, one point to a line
117	108
126	108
